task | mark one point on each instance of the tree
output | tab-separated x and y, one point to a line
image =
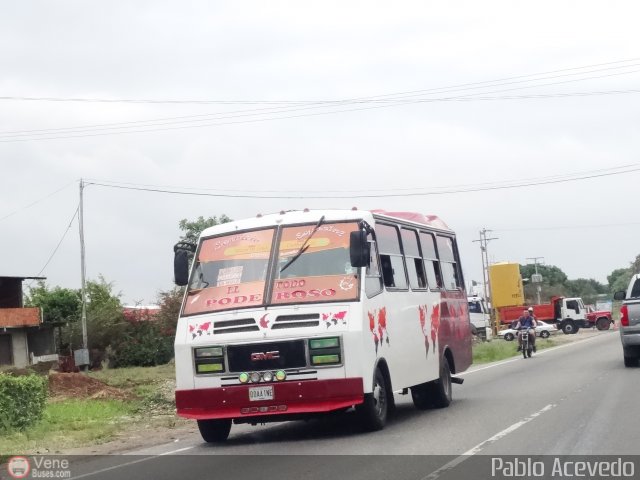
551	275
586	288
612	278
192	229
59	305
620	277
104	321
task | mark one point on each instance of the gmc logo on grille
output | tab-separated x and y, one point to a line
257	356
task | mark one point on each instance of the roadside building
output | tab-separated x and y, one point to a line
140	313
24	338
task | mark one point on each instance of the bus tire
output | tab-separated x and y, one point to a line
374	409
214	431
441	394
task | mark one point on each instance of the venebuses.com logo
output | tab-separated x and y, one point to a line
18	467
38	467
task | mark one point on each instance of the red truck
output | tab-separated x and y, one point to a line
600	318
568	314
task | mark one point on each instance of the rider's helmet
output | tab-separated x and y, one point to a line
530	309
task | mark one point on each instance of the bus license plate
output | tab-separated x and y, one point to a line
261	393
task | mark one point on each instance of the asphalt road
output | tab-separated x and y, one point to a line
576	399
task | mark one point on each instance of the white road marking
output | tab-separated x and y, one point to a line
474	450
133	462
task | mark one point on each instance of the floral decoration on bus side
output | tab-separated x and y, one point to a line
378	327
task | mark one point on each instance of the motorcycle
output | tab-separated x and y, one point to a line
527	346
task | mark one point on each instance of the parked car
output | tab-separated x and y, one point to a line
543	329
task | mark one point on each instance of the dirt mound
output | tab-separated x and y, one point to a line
79	385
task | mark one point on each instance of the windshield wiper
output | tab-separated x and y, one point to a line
304	246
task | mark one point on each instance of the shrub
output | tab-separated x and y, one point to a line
22	401
143	345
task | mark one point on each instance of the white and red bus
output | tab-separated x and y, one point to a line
296	314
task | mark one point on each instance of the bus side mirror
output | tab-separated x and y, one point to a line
619	295
359	249
181	262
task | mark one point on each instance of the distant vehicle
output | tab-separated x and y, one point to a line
568	314
543	330
601	319
630	322
480	318
527	345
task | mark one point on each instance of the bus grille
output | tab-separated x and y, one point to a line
235	326
296	321
291	354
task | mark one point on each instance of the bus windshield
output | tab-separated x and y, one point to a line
322	272
233	271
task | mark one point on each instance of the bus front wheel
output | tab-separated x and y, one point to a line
375	407
214	431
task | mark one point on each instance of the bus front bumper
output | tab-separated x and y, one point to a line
291	397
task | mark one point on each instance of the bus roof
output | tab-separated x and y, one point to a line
429	220
310	216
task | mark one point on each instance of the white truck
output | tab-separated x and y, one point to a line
480	317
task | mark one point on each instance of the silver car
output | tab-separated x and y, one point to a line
630	322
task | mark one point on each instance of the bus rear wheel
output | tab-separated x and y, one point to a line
214	431
441	391
435	394
375	408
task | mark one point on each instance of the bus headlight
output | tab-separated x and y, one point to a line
209	360
325	351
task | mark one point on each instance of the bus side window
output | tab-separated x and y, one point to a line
431	263
373	280
391	258
415	265
448	263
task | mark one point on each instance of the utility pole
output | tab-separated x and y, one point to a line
484	240
536	277
84	357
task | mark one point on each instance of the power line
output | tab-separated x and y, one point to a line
391	100
271	102
322	103
35	202
257	120
567	227
59	243
388	195
512	182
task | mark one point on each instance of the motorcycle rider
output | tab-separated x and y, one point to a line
526	321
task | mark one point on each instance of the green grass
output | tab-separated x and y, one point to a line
500	349
77	422
69	423
131	377
154	386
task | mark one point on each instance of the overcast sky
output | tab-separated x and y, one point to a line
286	51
